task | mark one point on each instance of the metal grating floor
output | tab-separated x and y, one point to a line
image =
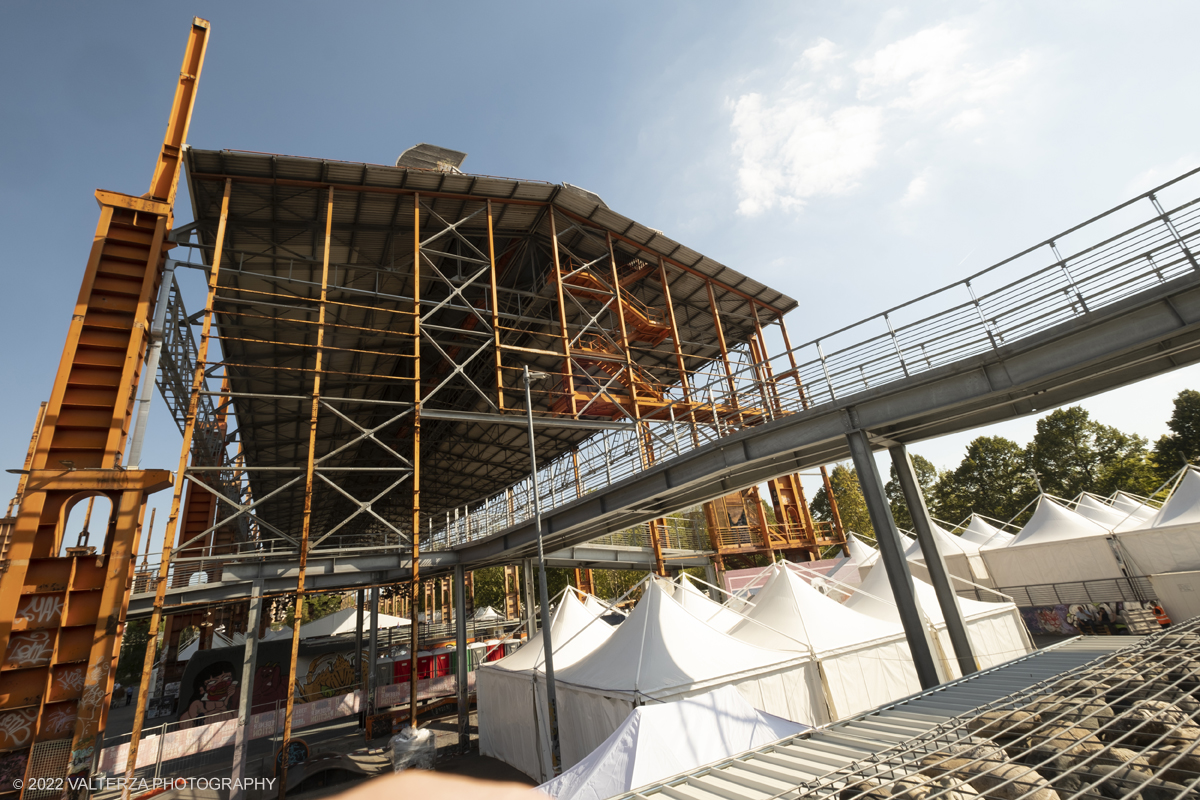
788	767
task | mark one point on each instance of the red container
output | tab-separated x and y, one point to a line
441	661
495	651
424	665
401	670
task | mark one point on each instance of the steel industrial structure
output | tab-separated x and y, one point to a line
350	404
354	391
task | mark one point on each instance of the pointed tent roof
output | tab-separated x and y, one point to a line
345	621
1133	506
699	605
660	646
864	555
663	739
488	614
1100	512
1183	506
877	584
947	544
1054	522
981	532
575	632
599	608
789	612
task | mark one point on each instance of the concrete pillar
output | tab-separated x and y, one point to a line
892	556
462	656
246	691
938	574
373	652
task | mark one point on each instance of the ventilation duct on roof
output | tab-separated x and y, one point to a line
595	198
430	156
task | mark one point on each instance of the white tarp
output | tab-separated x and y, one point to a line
1105	515
866	660
863	554
345	621
663	739
488	614
981	532
1133	506
996	630
661	652
961	558
700	606
512	715
1183	506
1057	545
1170	542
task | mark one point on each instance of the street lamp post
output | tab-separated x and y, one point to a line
543	592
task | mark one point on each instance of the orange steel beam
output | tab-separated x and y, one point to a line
33	440
61	617
495	298
189	430
166	171
562	316
309	477
414	584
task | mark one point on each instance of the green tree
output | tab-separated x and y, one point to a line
489	588
1073	453
1182	444
992	480
927	478
133	651
852	507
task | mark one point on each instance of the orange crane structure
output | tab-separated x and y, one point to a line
354	390
62	608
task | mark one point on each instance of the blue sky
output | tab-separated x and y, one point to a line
850	154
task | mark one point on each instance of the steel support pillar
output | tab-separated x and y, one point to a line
360	603
245	691
463	657
373	652
938	574
530	599
710	576
892	555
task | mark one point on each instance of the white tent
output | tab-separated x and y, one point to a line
863	554
661	652
1133	506
865	660
961	558
598	607
982	532
1057	545
699	605
488	614
346	621
996	630
1103	514
512	715
1170	542
664	739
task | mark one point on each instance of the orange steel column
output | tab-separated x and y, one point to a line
61	617
415	585
309	477
562	316
189	429
495	303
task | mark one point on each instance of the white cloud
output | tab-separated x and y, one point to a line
821	54
794	149
823	130
918	187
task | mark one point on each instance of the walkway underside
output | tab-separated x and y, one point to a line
1144	335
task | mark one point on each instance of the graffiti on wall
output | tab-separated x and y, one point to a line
1098	619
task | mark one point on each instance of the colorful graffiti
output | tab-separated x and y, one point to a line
1096	619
